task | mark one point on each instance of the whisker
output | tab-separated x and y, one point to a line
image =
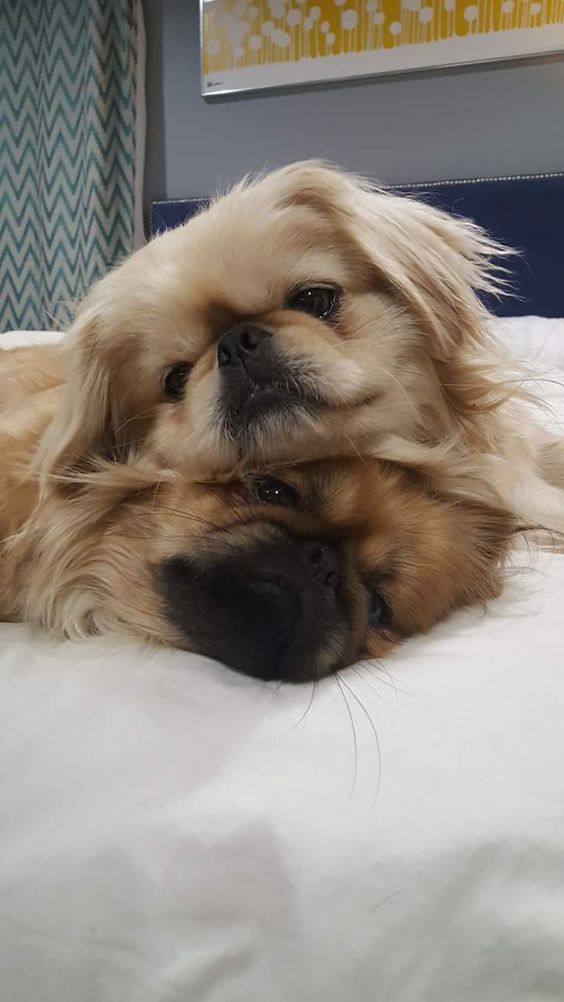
401	387
366	679
368	665
355	449
353	730
188	516
307	709
130	420
376	738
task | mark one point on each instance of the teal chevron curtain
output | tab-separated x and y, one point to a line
70	113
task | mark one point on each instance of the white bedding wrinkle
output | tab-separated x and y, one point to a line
19	339
172	831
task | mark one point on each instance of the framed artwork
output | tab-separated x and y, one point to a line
256	44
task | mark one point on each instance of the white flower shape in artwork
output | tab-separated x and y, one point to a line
340	3
213	47
308	24
267	28
324	27
281	38
294	17
449	4
315	13
507	6
349	19
411	4
237	29
471	13
426	15
276	7
536	8
379	17
255	43
371	5
395	27
330	38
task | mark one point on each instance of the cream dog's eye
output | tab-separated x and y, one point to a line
175	381
267	490
319	301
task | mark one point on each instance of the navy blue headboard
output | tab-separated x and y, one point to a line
525	212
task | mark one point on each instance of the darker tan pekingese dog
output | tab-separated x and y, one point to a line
288	575
306	315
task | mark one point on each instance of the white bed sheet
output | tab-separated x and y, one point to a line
172	831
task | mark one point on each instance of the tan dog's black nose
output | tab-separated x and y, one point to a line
323	563
267	609
238	345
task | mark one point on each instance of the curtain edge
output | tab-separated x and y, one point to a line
140	127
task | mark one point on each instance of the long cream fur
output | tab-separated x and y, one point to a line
414	375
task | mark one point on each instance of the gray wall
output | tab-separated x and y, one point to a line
479	121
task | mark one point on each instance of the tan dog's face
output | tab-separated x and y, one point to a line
297	318
288	577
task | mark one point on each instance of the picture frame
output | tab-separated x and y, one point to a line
251	45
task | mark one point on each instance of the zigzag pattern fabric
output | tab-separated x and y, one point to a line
67	152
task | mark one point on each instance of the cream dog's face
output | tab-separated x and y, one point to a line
284	362
298	317
290	576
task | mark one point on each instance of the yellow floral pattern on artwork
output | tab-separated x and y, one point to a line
243	33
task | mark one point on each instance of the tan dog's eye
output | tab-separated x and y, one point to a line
318	301
267	490
175	381
379	615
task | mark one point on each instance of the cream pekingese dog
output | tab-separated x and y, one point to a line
288	575
306	315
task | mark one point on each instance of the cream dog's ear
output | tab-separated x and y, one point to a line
440	265
102	404
437	263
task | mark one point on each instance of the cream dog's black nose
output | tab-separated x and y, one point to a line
239	344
